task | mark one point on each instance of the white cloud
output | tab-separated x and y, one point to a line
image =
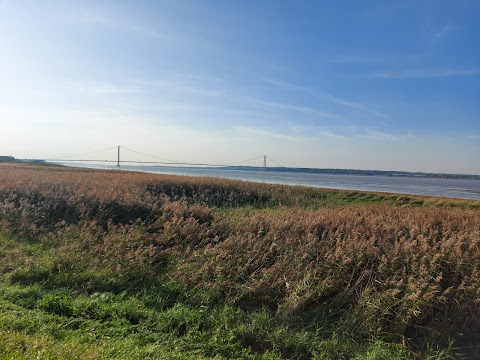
440	34
118	23
285	85
375	58
297	128
103	88
187	84
266	133
355	105
332	135
427	73
326	97
196	90
298	108
384	136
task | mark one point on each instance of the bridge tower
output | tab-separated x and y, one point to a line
264	162
118	156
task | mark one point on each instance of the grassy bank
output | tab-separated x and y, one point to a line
105	264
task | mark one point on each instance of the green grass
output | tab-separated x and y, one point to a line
105	325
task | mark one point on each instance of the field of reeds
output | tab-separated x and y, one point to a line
111	264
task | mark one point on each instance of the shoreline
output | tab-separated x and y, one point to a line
327	182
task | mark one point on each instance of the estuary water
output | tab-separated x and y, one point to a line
449	188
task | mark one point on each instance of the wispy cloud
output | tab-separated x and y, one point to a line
194	89
121	24
198	77
297	108
368	59
103	88
437	36
284	85
427	73
327	97
384	136
355	105
209	86
298	128
266	133
332	135
203	91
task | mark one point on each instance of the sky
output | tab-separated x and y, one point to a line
386	85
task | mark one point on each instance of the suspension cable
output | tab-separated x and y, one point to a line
276	162
88	153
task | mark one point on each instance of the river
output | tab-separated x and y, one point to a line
442	187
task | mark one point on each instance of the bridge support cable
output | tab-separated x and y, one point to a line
56	158
153	157
241	161
276	163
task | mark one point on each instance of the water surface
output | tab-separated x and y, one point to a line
449	188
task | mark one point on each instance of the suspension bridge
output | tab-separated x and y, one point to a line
114	157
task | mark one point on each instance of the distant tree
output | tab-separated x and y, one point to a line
7	159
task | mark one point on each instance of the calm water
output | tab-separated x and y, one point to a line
450	188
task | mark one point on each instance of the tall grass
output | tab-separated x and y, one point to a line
298	272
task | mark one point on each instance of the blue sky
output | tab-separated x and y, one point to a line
338	84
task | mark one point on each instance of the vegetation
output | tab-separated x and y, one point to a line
109	264
6	158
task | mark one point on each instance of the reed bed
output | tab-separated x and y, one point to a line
402	271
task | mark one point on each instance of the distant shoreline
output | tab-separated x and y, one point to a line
393	173
359	172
